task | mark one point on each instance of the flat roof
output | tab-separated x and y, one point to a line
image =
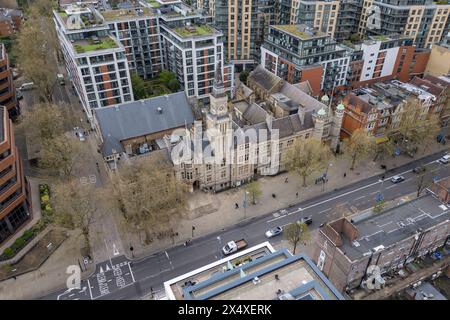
120	14
273	275
88	45
300	31
194	31
395	224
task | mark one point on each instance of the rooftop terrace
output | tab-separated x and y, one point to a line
82	46
126	13
194	31
300	31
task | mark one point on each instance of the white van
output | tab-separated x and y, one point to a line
27	86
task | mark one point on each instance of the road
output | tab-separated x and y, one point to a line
140	277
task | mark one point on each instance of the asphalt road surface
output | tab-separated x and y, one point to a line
138	278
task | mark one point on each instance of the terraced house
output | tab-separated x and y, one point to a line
15	199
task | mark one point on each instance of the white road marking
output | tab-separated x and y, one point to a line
274	219
325	210
89	286
383	225
362	197
71	295
131	271
391	186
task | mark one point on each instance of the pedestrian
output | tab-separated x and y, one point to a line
345	174
236	206
296	194
286	180
14	277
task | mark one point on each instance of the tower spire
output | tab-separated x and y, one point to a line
218	86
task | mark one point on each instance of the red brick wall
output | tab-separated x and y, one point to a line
314	76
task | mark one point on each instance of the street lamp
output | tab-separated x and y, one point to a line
220	244
193	228
325	176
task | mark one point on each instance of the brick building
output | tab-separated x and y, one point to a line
389	240
7	91
15	199
10	22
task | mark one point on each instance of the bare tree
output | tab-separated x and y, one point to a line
416	129
424	180
296	232
307	156
150	196
63	154
37	47
74	206
359	146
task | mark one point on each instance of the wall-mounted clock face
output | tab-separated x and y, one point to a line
221	108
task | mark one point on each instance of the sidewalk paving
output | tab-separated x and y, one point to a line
213	212
50	276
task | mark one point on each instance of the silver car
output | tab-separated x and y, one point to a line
274	232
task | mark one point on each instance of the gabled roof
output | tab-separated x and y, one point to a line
255	114
264	77
303	99
428	86
143	117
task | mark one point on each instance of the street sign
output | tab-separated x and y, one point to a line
379	197
397	151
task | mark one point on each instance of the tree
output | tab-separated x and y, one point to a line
139	88
379	206
173	85
37	47
169	79
243	76
47	121
150	196
424	180
306	157
296	232
254	189
74	206
416	129
358	146
63	154
383	150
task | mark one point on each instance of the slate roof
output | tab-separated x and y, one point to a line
304	86
264	77
303	99
255	114
290	125
139	118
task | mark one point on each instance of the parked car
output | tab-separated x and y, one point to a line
397	179
27	86
306	220
274	232
60	79
445	159
419	169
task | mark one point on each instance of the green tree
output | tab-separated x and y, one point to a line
379	206
416	129
243	76
173	85
383	150
307	156
254	189
296	232
359	146
139	89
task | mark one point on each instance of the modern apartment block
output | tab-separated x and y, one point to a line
347	251
138	31
96	61
244	24
15	200
384	58
192	50
426	21
297	53
10	21
7	90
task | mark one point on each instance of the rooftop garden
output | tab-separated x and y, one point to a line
124	13
194	31
92	45
153	3
380	38
294	29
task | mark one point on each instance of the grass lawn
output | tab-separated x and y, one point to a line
199	31
156	88
104	44
154	3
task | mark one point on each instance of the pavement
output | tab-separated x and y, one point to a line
148	274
